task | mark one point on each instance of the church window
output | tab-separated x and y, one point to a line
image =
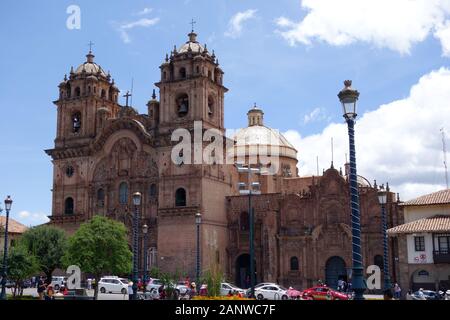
209	74
294	264
103	94
89	89
182	73
210	105
76	122
165	75
68	206
378	261
180	197
101	198
69	93
182	104
153	190
69	171
123	193
244	221
77	92
198	69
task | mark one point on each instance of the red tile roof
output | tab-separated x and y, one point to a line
433	224
439	197
13	225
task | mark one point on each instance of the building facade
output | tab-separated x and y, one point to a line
104	152
424	242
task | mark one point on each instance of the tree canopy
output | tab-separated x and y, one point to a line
47	244
21	265
99	247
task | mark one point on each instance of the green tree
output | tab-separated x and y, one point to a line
21	265
47	244
99	247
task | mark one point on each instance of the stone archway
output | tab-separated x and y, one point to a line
334	270
242	270
422	278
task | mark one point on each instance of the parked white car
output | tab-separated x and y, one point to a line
226	287
271	292
57	282
154	284
259	285
113	285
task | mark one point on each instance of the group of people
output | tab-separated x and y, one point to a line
47	292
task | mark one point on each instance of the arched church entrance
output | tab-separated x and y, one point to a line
243	271
334	271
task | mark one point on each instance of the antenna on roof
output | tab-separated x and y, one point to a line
444	150
332	153
131	102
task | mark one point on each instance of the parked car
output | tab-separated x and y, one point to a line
10	284
58	281
181	287
271	292
259	285
154	284
323	293
113	284
226	287
427	295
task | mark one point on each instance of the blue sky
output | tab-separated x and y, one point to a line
288	56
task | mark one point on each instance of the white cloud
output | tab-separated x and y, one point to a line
400	142
318	114
144	11
396	25
24	214
124	28
31	218
236	22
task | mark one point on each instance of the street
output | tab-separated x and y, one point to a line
101	296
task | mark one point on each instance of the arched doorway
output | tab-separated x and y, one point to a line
243	271
335	270
423	279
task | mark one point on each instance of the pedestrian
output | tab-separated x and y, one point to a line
203	289
447	295
130	290
41	288
89	283
33	282
397	291
340	284
50	293
409	295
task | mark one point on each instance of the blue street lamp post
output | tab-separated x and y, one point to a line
137	203
8	204
348	98
382	198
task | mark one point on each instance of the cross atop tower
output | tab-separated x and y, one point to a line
192	24
127	95
90	44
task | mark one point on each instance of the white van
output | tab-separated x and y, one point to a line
113	285
57	282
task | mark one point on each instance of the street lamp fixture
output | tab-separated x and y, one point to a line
137	202
254	188
382	198
8	204
198	221
348	98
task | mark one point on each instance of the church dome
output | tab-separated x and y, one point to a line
90	67
257	134
192	45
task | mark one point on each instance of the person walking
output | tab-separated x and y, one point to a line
89	283
41	288
397	291
50	293
130	290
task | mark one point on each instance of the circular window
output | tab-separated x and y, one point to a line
69	171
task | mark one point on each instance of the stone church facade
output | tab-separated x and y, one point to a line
104	152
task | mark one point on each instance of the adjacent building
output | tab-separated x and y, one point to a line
424	242
15	230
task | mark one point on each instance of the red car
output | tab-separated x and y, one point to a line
323	293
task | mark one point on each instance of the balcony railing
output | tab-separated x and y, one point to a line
441	256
